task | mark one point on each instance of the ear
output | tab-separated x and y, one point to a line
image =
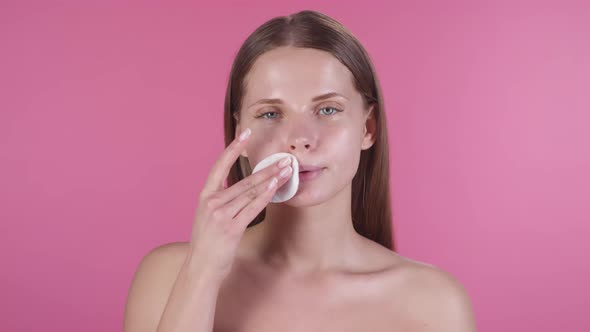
236	133
370	129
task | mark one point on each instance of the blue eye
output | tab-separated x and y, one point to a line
333	108
263	115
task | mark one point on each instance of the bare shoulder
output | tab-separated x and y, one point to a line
435	298
163	262
422	296
152	283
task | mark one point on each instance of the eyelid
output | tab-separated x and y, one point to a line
339	106
336	106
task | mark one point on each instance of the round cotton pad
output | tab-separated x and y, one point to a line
288	190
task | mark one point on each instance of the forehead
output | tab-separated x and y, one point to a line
297	74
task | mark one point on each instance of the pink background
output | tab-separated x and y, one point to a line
111	117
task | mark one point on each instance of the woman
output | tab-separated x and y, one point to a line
323	260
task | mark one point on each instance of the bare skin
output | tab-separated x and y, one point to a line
386	292
377	290
304	268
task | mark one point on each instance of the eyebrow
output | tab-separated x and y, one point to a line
314	99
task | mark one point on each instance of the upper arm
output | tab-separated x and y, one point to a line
151	286
443	303
456	312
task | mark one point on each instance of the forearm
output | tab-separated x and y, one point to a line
192	301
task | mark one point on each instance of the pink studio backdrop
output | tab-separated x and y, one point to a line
111	117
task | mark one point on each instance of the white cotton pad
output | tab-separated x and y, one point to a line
289	189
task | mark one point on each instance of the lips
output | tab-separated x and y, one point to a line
308	168
310	173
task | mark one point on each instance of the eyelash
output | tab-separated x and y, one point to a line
337	110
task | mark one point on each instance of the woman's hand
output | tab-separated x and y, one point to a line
224	213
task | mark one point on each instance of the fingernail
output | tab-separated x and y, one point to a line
285	172
286	161
273	183
245	134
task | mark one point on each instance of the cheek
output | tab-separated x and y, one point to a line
343	138
343	146
260	144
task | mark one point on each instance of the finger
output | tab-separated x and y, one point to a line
254	207
223	164
234	207
250	182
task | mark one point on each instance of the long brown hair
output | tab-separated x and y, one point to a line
371	204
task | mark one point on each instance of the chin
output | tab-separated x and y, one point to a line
304	199
313	195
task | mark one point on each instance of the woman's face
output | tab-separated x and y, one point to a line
327	132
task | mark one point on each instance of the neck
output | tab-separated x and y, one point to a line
308	239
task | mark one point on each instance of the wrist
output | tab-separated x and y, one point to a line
199	272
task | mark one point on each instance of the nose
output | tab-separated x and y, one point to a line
300	144
302	136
